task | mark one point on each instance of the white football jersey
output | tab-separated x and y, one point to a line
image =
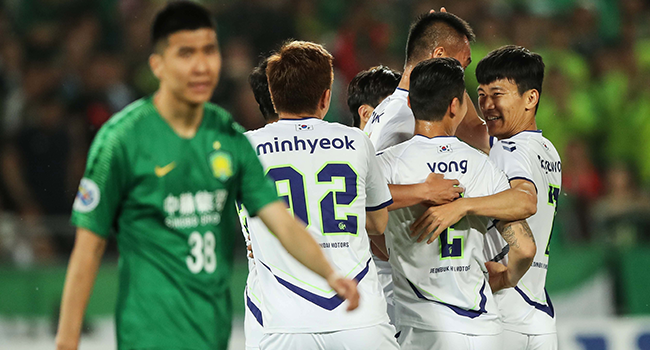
253	320
527	308
329	176
442	286
392	122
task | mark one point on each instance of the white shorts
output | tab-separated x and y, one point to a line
253	331
379	337
516	340
419	339
386	281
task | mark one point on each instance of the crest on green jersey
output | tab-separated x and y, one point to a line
221	164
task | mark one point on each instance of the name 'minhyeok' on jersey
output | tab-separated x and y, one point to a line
442	286
329	176
527	308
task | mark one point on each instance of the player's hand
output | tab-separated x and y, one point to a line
346	289
439	190
249	247
437	219
442	9
499	276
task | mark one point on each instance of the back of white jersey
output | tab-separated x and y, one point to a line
392	122
329	177
529	156
442	286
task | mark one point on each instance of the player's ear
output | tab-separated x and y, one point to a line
454	107
155	62
324	103
438	52
532	98
365	111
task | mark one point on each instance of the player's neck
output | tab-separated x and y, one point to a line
406	77
432	129
182	117
283	115
528	124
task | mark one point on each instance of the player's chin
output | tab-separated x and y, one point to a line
198	98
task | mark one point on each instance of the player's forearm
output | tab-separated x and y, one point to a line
80	277
376	221
295	239
407	195
473	130
522	251
510	205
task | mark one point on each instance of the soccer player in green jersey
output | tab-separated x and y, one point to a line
165	172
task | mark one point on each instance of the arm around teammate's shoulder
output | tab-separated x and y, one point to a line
300	244
80	278
522	251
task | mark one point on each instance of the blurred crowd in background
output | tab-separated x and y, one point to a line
67	65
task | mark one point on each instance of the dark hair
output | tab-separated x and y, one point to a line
435	29
298	76
177	16
434	85
514	63
260	86
370	87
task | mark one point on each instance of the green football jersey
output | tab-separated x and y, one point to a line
171	202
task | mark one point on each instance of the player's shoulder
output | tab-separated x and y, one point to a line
220	119
123	125
393	106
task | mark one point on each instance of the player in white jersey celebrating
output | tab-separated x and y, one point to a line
329	176
510	81
442	297
253	318
366	90
436	34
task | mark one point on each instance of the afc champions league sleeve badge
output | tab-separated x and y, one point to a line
221	165
88	196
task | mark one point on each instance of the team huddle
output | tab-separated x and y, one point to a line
422	227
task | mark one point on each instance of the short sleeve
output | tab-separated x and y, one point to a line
488	180
104	184
511	159
377	193
394	125
255	190
386	163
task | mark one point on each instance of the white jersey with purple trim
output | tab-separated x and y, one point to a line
392	122
253	320
527	308
442	286
329	176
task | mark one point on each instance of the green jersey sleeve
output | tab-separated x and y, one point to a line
256	190
103	185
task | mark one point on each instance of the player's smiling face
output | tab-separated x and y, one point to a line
190	64
503	108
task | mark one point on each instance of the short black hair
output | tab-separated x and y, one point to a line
514	63
370	87
434	85
177	16
260	86
435	29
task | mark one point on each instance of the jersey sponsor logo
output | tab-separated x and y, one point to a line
304	127
88	196
221	164
189	210
550	166
299	144
162	171
375	117
444	149
452	166
508	146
